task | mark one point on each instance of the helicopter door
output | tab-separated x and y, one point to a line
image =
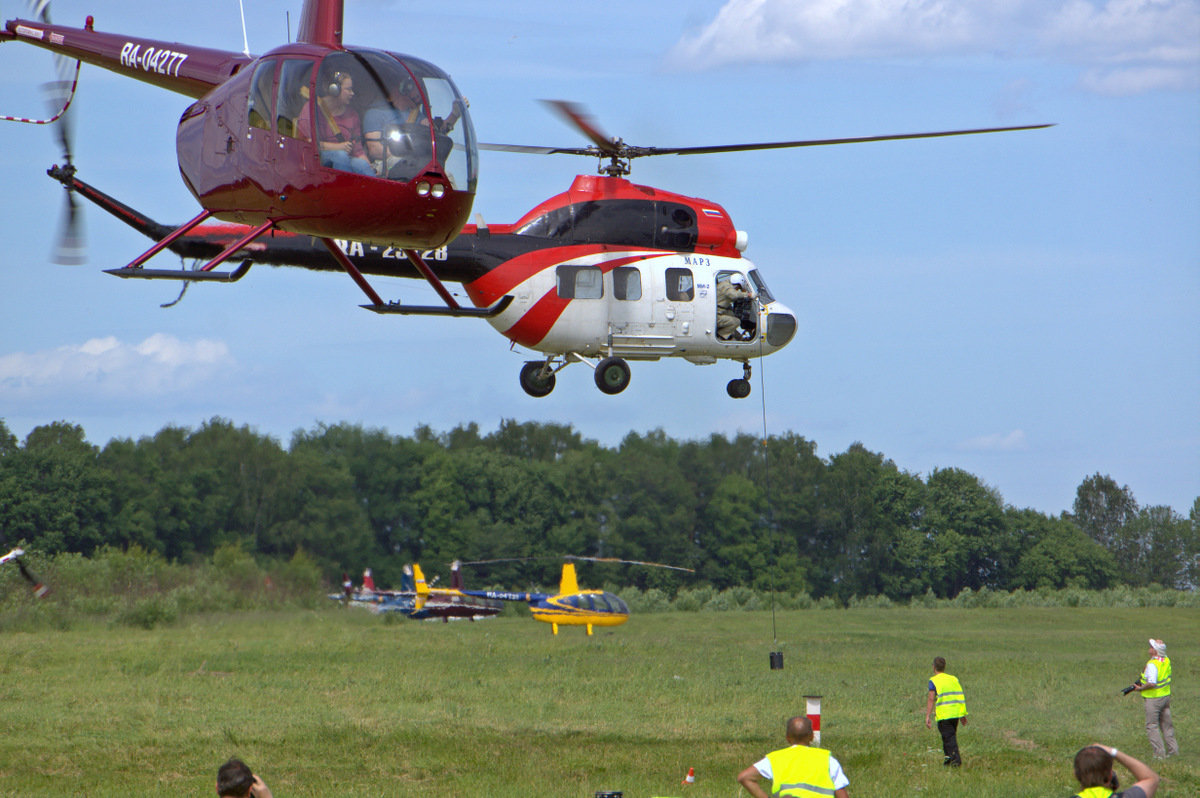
629	317
260	139
736	307
674	310
291	98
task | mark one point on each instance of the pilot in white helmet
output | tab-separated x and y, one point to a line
728	291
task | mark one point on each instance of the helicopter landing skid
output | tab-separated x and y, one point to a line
440	310
186	275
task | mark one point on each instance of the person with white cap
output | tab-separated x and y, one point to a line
1155	687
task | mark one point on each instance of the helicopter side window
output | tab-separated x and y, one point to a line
628	222
554	224
580	282
618	605
627	283
680	285
294	77
764	293
258	107
676	228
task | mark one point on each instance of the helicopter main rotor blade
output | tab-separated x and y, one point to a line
577	116
549	557
628	562
535	150
635	152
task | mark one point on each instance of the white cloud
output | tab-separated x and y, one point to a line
158	365
1121	45
997	442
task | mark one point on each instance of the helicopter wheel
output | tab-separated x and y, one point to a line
738	389
612	375
533	381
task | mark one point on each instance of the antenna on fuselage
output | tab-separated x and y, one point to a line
245	41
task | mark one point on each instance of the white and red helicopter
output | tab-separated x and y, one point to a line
604	273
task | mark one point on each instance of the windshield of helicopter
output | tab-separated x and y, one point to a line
412	116
764	294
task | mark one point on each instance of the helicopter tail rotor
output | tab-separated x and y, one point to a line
69	249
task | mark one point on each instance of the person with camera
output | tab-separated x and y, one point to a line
235	780
1155	687
1094	772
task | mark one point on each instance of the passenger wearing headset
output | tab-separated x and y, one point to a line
339	129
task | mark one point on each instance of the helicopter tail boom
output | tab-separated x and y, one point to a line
192	71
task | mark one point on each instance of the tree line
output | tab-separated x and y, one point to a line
743	512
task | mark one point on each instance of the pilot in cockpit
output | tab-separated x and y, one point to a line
398	132
730	289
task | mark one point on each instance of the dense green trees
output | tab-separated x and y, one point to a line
742	512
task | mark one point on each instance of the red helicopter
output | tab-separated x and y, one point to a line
313	138
604	273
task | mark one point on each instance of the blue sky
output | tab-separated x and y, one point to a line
1024	306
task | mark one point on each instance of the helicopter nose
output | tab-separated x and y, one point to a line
781	325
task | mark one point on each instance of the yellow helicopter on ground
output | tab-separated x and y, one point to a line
570	606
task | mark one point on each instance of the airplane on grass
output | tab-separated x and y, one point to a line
420	600
37	587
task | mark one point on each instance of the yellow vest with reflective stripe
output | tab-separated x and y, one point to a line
1164	678
800	771
951	702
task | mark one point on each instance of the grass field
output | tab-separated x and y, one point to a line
340	702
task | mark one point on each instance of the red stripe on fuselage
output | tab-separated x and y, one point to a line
508	275
535	324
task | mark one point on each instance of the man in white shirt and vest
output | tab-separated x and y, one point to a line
798	771
948	704
1155	687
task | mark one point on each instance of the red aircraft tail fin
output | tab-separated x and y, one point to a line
321	22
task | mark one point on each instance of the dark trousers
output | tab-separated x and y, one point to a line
949	730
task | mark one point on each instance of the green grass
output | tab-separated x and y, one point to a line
339	702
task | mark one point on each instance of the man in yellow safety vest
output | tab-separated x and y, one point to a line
948	704
1155	687
798	771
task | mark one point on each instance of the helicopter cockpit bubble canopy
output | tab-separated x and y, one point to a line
412	116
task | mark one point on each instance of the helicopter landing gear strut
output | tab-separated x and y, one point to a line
537	376
740	389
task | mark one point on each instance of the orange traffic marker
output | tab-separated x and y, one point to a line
690	778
